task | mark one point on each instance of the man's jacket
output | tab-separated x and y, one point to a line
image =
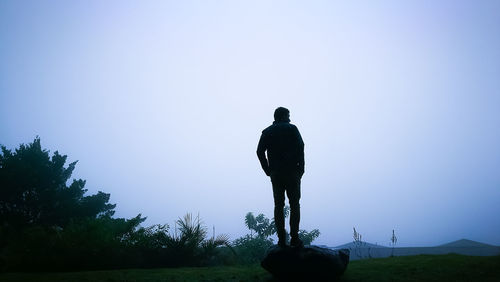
285	150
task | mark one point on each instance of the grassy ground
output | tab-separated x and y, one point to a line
425	268
412	268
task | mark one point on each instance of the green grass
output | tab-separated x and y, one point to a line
425	268
411	268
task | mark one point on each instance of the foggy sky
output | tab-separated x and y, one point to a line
163	102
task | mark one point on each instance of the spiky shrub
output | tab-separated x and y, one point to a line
212	252
188	246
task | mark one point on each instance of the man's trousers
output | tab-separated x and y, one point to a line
289	184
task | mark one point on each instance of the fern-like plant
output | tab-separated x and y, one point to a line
189	245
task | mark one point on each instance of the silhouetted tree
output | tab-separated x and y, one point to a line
34	190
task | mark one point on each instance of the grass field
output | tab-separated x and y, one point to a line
412	268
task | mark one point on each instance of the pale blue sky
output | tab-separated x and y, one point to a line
163	102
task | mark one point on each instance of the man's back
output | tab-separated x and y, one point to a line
285	149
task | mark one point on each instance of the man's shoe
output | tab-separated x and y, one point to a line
296	243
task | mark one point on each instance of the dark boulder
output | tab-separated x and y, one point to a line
309	263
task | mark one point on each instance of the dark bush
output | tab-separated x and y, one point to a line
46	225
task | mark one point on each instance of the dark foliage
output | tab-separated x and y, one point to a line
46	225
92	243
252	248
34	190
189	245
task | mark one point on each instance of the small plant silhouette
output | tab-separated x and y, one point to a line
358	243
394	240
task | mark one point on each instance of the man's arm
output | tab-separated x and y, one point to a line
300	149
261	154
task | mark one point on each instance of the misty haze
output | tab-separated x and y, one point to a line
162	105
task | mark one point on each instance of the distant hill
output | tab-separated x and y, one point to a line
462	246
363	245
465	243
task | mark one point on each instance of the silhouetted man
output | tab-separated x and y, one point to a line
285	165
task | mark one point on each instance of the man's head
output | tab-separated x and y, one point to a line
281	114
